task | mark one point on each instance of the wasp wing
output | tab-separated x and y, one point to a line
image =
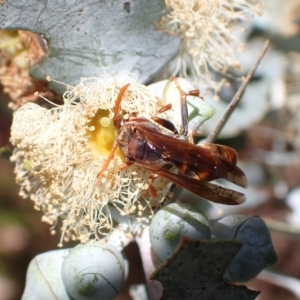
204	162
206	190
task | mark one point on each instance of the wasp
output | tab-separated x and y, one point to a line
173	156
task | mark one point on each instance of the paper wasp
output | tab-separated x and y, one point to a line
172	156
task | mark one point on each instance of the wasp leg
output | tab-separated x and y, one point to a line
116	119
120	168
109	158
152	189
165	123
184	110
153	176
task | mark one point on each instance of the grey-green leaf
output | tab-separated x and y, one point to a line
90	38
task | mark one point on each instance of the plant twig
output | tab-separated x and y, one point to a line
290	283
211	138
282	227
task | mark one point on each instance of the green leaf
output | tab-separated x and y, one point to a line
196	269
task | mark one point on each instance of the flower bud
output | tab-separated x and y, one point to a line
43	279
173	222
94	271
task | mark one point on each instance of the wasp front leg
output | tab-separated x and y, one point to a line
120	168
116	120
106	164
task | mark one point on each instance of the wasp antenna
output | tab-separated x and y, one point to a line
119	99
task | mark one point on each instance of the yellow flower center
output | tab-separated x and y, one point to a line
103	134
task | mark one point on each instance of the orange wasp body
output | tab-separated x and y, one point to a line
172	157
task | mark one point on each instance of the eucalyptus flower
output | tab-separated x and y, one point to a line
208	34
59	153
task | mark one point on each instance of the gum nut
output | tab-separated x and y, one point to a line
173	222
257	252
94	271
43	279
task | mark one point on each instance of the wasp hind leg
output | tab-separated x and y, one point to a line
183	105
